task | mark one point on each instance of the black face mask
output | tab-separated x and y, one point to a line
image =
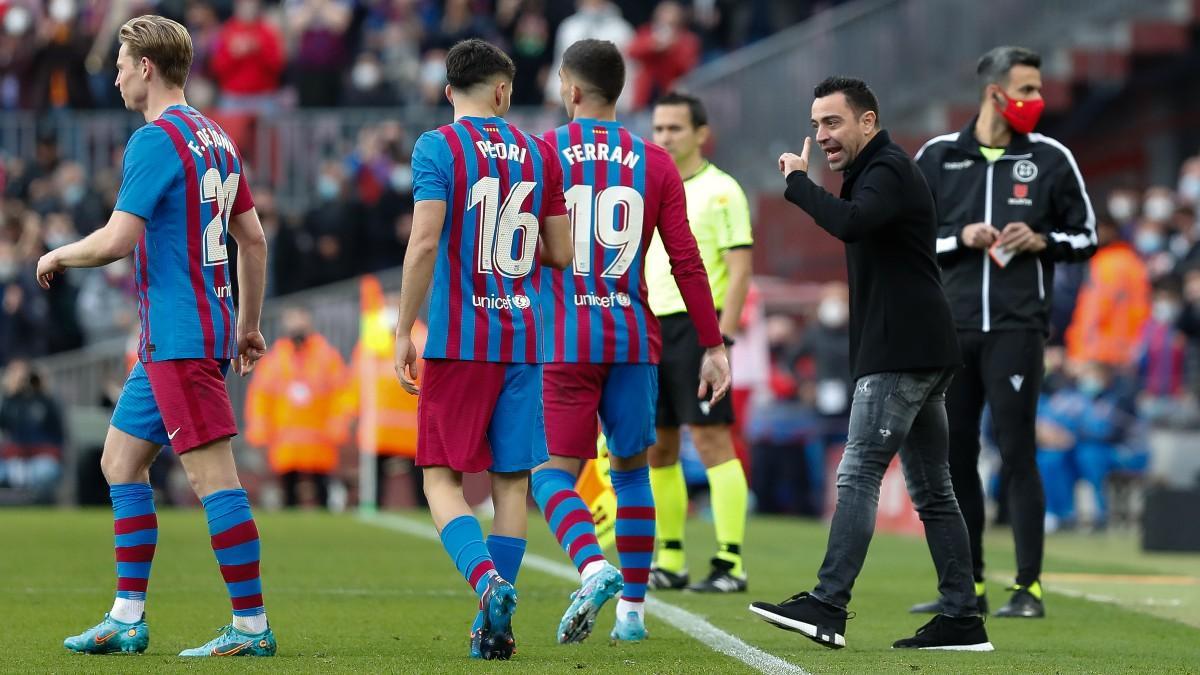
298	337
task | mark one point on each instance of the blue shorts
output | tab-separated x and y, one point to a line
621	395
188	396
480	416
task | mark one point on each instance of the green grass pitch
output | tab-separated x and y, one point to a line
347	596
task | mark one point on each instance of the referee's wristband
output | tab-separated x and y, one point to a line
729	342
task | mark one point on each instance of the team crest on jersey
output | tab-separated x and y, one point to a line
1024	171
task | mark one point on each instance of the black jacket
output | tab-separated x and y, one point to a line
1037	182
899	318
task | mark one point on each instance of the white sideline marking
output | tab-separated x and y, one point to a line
686	622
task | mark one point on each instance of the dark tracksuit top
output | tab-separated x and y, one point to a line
899	318
1037	182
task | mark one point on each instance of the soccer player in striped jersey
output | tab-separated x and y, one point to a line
602	340
487	194
183	193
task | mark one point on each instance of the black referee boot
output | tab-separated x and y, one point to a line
1025	603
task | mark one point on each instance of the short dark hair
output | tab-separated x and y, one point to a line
598	63
858	94
694	105
474	61
994	66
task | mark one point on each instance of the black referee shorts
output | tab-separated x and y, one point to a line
679	377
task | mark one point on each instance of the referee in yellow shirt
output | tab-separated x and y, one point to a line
720	220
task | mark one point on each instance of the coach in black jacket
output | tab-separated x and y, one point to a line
1010	204
903	352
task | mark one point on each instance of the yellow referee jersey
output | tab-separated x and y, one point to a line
720	219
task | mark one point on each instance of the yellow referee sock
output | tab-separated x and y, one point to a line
728	492
670	514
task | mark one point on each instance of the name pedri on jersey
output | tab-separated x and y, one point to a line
499	184
183	175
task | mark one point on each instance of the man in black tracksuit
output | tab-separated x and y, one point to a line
1010	204
903	354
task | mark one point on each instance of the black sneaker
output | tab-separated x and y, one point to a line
1023	604
935	607
662	580
720	580
962	634
804	614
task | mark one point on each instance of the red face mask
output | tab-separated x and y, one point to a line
1022	116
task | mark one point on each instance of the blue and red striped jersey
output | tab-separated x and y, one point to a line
499	184
183	176
619	189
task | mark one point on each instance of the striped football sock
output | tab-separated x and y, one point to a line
234	539
463	539
567	515
635	530
135	527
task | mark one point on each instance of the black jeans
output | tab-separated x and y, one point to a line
1003	369
901	412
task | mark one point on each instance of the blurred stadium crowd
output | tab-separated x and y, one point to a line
1126	341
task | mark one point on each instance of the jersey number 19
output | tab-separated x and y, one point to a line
612	206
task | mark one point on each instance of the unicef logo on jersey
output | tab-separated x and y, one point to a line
1025	171
607	301
509	302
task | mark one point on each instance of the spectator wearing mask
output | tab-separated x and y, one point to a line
1189	182
1123	207
595	19
432	78
1152	241
333	224
1181	231
367	87
31	425
319	28
293	410
248	61
665	50
78	199
389	222
1113	303
1085	432
826	342
1158	204
1162	353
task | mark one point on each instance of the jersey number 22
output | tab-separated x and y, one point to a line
213	189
